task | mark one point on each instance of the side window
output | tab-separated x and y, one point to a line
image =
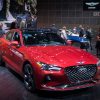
9	36
16	37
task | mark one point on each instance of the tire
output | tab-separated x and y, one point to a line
29	80
2	63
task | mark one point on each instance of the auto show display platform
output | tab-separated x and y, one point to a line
12	88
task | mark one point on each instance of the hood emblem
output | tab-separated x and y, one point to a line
82	70
80	62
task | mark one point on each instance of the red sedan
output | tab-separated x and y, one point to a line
46	62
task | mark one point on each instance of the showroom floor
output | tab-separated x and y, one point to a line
12	88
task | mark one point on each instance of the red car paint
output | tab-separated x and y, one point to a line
63	56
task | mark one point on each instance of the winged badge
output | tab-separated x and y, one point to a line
92	3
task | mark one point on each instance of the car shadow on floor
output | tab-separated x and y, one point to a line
81	94
66	94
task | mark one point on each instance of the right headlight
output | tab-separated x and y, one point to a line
98	63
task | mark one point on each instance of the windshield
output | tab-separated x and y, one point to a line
31	38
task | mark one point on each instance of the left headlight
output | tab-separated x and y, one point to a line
48	67
98	63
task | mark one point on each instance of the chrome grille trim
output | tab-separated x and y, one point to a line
80	73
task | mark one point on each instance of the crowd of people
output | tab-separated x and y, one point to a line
78	31
81	32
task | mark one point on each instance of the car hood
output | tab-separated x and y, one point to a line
60	55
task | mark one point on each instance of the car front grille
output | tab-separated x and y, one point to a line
80	73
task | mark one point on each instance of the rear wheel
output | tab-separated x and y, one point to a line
29	80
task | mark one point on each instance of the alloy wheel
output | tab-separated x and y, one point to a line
29	78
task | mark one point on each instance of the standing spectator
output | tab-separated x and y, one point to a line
81	31
75	30
13	25
22	24
98	44
79	28
53	28
63	33
28	20
59	32
34	22
1	29
89	36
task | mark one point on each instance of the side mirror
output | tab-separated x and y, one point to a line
15	43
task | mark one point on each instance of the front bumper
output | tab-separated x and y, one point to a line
60	81
67	87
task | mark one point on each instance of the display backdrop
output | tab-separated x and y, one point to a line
65	12
59	12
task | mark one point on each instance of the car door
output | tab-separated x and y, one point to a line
1	48
6	53
16	52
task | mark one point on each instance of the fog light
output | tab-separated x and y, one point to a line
48	78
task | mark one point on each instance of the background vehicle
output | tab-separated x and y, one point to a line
75	38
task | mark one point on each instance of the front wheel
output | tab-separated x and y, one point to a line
29	80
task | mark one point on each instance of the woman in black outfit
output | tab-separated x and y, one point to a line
98	44
13	25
